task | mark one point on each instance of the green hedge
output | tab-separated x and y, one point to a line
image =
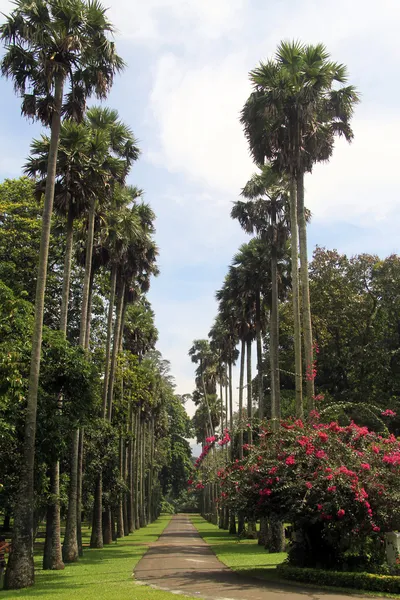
359	581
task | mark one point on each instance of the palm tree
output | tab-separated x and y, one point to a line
47	46
266	214
291	119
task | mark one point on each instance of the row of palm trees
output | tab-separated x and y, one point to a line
58	54
299	102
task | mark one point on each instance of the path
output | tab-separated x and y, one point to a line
181	561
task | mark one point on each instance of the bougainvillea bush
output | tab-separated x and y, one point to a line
339	487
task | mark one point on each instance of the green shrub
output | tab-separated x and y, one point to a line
359	581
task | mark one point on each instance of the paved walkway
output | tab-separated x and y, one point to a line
181	562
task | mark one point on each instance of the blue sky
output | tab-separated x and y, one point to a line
183	89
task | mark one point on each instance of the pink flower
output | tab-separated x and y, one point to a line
309	485
365	466
290	460
376	528
388	413
341	513
332	488
320	454
322	436
319	506
375	449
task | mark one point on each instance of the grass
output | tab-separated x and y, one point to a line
248	558
101	574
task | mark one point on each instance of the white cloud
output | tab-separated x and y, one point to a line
175	21
197	111
359	184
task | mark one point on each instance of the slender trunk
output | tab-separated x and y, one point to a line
263	533
122	324
131	513
249	393
52	557
231	410
113	365
232	522
120	512
206	399
222	406
89	309
274	325
79	492
296	298
150	487
113	280
20	568
305	293
137	470
88	270
259	358
241	381
107	526
142	476
69	238
96	538
70	546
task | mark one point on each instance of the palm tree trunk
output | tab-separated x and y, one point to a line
70	546
89	309
305	294
150	487
20	568
231	409
249	393
131	510
142	515
259	358
241	382
52	556
96	538
120	512
137	468
88	270
69	239
274	326
113	365
122	324
125	494
222	406
111	302
296	298
79	491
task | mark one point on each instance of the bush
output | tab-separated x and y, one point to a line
360	581
338	486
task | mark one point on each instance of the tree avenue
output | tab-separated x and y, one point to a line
297	382
314	445
83	390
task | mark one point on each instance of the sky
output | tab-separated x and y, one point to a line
185	83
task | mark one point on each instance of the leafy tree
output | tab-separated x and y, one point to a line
47	46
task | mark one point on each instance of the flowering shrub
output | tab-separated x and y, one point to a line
338	486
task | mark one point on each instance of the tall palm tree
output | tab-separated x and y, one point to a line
291	119
266	213
49	45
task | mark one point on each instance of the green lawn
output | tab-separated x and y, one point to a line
101	574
